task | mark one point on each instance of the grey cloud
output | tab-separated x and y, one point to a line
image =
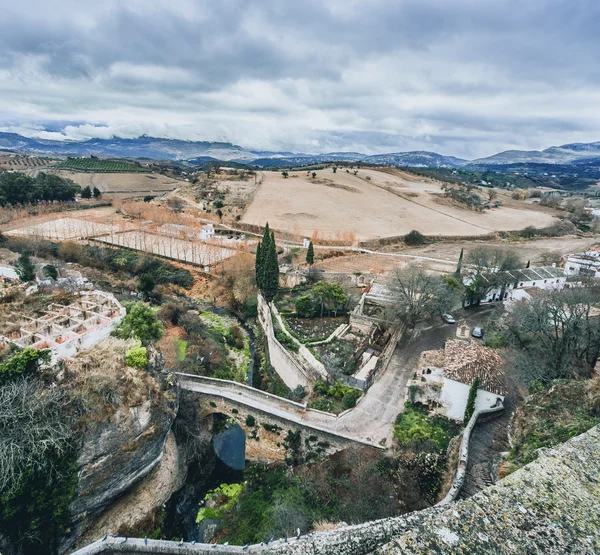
466	75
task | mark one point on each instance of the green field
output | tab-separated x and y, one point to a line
100	166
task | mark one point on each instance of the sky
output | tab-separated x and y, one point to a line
460	77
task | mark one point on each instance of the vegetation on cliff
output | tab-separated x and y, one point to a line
551	416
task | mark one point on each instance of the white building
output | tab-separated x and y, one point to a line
68	329
503	285
444	378
584	264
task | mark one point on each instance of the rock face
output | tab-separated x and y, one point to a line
118	451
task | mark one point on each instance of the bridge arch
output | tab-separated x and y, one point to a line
276	428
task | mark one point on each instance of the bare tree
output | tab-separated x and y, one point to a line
33	422
556	334
418	295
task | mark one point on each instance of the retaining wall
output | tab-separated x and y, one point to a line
461	469
291	372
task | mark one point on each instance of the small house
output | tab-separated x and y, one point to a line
444	378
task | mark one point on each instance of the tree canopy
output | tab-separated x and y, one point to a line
18	188
555	334
418	295
141	323
25	268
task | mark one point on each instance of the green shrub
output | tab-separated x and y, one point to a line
326	405
414	428
140	322
181	349
250	421
470	408
414	238
136	357
494	340
529	232
349	399
235	337
50	271
305	307
23	363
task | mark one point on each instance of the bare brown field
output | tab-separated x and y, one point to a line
387	204
123	185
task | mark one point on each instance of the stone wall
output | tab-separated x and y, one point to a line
291	372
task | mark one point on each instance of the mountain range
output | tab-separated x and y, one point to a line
200	152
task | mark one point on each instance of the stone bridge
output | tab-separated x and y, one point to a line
273	425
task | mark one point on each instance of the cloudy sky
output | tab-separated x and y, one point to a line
461	77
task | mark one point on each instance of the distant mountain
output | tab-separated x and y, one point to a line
567	158
140	147
416	159
564	154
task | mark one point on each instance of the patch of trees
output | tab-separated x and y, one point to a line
104	258
325	297
418	295
555	335
464	194
267	265
353	486
490	266
423	442
18	188
25	268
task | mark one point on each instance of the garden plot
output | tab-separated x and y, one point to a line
62	229
195	252
314	329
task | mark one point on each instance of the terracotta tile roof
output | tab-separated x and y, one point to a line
466	359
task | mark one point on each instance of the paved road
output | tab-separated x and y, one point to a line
374	417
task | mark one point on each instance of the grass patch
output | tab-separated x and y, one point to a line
180	349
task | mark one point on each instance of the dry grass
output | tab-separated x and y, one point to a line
104	382
373	204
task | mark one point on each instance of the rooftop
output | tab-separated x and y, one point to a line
527	274
464	360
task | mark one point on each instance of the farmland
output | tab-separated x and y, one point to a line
374	204
19	162
63	228
98	165
123	185
195	252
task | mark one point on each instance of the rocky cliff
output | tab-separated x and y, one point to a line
125	427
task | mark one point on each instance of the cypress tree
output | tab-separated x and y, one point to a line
470	408
310	254
459	265
271	272
258	266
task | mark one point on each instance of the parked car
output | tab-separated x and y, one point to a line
477	332
448	318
